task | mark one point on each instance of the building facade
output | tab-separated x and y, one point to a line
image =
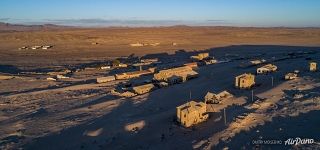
313	66
245	81
191	113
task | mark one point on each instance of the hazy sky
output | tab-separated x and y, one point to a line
292	13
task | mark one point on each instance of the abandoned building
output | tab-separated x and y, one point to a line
105	79
142	89
176	75
134	74
313	66
200	56
290	76
192	113
245	81
212	98
267	69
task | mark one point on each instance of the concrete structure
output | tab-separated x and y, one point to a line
137	44
209	61
142	89
127	94
61	77
151	60
257	62
212	98
245	81
36	47
313	66
130	75
105	67
191	113
290	76
134	74
154	44
200	56
46	46
121	65
23	47
192	65
105	79
176	75
267	69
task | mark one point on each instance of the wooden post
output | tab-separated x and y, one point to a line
190	95
272	81
225	117
252	95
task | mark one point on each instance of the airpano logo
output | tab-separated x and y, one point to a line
298	141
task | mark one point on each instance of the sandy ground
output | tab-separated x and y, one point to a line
77	113
74	46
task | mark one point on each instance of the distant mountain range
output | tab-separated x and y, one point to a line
18	27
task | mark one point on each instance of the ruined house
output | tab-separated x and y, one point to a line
176	75
212	98
291	76
142	89
191	113
106	79
267	69
200	56
313	66
245	81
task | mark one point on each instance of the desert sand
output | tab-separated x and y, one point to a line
77	113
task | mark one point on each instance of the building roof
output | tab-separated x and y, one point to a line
146	86
268	66
191	106
246	75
